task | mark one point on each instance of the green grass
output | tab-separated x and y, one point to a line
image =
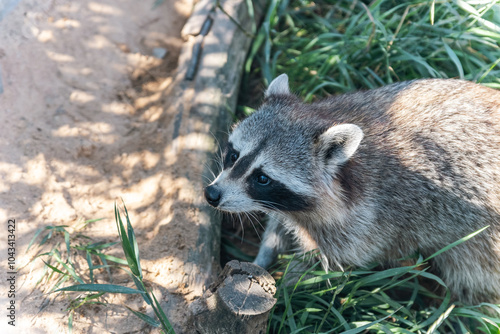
370	301
373	301
337	46
60	268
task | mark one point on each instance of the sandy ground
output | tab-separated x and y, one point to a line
83	125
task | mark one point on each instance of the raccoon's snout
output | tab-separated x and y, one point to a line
213	195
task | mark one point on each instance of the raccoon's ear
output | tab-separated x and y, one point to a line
279	86
337	144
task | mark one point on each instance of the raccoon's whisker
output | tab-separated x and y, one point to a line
266	202
217	140
218	155
254	216
207	166
253	225
219	214
232	217
227	132
205	177
219	163
213	174
273	206
242	227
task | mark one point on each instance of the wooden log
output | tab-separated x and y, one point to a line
238	302
200	112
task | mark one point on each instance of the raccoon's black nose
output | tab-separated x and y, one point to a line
213	195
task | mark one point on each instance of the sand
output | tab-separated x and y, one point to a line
82	103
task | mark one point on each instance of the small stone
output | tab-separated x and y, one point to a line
160	53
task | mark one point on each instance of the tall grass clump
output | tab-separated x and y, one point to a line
395	300
335	46
60	268
133	261
372	301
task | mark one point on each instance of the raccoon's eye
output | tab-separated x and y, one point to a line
263	179
233	157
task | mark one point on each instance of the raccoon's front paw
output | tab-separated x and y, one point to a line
265	258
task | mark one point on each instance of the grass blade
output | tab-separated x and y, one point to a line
111	288
456	243
133	242
37	233
455	60
127	246
163	318
146	318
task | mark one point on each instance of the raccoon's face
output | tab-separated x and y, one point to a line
260	174
275	161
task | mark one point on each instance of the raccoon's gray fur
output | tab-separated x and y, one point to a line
375	176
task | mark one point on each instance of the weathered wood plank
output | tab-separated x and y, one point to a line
198	114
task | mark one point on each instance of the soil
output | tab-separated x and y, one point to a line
83	89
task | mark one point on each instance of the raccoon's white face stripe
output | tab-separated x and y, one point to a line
245	161
263	157
291	178
234	198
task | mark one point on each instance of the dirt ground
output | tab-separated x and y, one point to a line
84	91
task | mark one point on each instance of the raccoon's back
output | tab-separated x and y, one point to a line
431	152
441	105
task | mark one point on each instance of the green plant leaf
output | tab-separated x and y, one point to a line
128	248
146	318
111	288
455	60
161	315
456	243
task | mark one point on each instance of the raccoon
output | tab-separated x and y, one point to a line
375	176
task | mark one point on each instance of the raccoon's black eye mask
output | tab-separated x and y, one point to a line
231	156
274	195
